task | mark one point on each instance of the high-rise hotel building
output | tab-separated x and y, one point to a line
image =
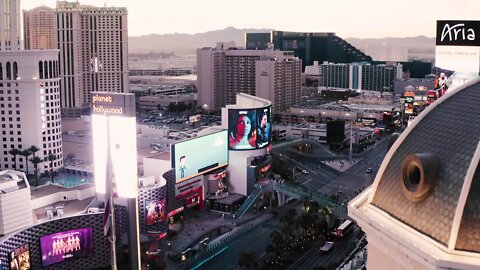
29	99
10	25
226	70
39	28
359	76
93	44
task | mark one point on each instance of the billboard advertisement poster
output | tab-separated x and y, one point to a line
19	258
197	156
409	105
457	54
155	211
194	118
188	185
249	128
66	245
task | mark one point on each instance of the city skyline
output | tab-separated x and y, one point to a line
347	18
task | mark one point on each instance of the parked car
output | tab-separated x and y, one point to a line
369	170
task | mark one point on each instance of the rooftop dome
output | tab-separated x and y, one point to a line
430	178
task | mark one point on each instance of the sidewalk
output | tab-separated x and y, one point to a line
197	224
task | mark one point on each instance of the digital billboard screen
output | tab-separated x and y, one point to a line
249	128
19	258
199	155
66	245
155	211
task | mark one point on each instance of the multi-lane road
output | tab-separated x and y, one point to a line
326	180
321	178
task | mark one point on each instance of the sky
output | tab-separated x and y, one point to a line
347	18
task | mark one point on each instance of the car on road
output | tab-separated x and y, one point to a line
326	247
305	172
369	170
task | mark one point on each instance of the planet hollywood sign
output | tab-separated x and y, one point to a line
113	104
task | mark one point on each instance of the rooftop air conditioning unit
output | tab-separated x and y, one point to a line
93	210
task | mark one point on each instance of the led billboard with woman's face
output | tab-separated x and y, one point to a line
249	128
199	155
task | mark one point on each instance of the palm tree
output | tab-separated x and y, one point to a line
26	153
277	240
35	160
14	152
33	149
51	157
289	216
248	259
288	232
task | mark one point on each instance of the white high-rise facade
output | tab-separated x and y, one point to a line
29	102
10	25
226	70
93	43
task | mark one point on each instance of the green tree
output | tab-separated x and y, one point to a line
51	157
35	160
14	152
248	260
26	153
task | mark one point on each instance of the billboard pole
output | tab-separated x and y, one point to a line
111	209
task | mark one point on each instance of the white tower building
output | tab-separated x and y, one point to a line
29	99
10	25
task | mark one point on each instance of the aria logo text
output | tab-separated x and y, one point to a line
457	32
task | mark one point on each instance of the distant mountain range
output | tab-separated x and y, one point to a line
190	42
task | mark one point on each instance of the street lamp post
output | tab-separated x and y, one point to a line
205	108
351	145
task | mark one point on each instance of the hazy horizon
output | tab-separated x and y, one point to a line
346	18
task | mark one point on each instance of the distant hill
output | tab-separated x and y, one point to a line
190	42
418	42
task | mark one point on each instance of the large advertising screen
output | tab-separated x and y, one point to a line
249	128
197	156
66	245
19	258
155	211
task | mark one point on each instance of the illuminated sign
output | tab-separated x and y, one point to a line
458	33
114	114
194	118
188	185
108	103
174	212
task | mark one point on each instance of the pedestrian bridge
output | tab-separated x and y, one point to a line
297	192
